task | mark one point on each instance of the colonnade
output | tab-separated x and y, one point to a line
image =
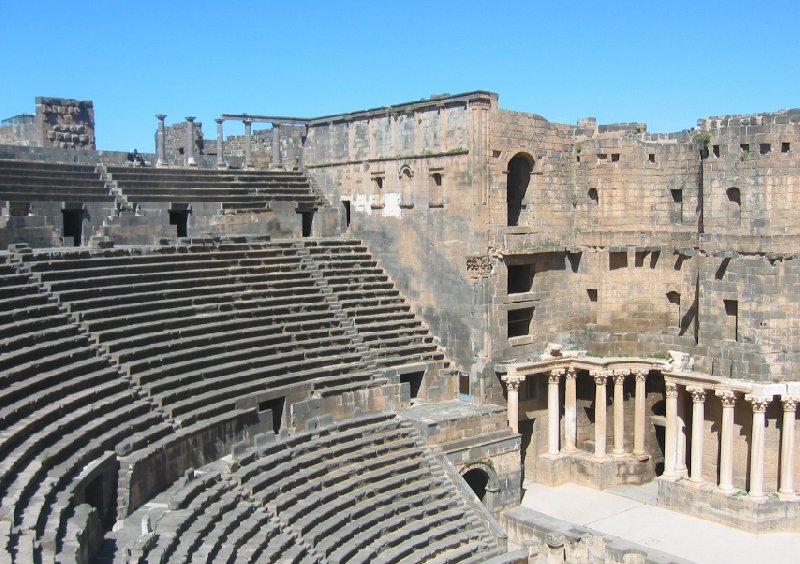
248	145
601	378
674	448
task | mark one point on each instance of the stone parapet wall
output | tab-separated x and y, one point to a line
64	123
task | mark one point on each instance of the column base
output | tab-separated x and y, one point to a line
756	497
619	454
787	496
552	456
727	490
640	456
569	450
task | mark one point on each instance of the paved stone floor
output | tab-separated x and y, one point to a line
630	513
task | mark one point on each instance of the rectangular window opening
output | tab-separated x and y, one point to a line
617	260
745	147
463	386
764	148
346	204
414	381
651	157
715	150
592	294
519	322
785	147
614	157
520	278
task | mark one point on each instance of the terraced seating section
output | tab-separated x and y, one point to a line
63	405
200	328
24	181
381	316
235	190
363	490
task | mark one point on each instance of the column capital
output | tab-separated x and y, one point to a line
727	397
247	121
555	375
759	403
219	120
698	393
790	402
640	374
599	376
161	117
619	376
512	381
571	373
190	118
671	389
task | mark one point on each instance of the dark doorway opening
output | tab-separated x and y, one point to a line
180	219
414	380
477	479
274	405
308	218
519	176
73	224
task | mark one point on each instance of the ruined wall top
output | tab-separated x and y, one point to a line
65	123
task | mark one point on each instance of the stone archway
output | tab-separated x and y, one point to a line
518	178
482	480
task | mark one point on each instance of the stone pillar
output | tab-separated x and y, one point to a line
698	428
759	404
682	435
671	431
619	413
162	142
553	411
570	412
599	377
220	144
728	399
248	143
513	381
638	414
276	145
786	482
190	141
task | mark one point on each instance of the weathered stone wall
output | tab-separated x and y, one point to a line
176	145
19	130
414	179
64	123
74	156
291	144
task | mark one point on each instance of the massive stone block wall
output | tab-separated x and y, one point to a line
65	123
291	148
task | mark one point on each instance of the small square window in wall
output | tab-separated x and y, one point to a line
614	157
617	260
764	148
651	158
715	150
591	293
744	147
519	322
602	157
785	147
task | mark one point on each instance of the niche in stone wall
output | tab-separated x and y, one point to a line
436	188
731	326
617	260
734	205
377	190
676	206
674	300
406	187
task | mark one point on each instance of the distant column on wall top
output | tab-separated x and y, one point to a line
248	142
220	144
190	141
276	145
161	141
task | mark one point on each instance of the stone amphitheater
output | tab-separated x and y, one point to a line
353	338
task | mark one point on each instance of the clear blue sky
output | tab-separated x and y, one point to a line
665	63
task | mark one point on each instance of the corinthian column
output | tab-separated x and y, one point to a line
638	414
759	404
786	487
728	399
698	428
553	411
671	432
599	377
512	381
619	413
570	412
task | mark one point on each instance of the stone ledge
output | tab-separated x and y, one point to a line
582	468
769	514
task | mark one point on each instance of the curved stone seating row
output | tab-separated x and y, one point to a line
62	405
381	317
361	490
233	189
36	182
203	328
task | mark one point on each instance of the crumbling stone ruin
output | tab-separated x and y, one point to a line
58	123
352	337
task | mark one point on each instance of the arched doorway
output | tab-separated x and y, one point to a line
520	168
482	479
